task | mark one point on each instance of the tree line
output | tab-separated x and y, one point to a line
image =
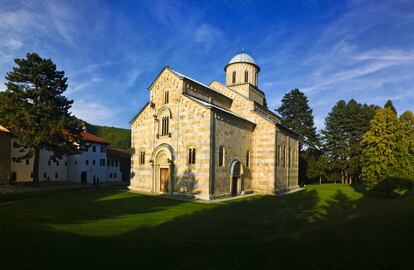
360	143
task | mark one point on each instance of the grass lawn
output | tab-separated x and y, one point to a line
322	227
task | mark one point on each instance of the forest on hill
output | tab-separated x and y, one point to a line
118	137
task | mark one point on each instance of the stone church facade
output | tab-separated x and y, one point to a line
212	141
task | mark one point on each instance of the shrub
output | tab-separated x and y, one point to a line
394	186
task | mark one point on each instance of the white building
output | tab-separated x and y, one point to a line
90	165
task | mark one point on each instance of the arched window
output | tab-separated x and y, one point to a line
142	157
191	155
166	96
246	76
248	159
234	77
164	116
222	153
165	125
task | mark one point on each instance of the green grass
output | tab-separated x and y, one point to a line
322	227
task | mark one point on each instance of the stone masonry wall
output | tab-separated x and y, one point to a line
189	126
5	158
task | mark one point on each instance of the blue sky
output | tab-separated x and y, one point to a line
111	51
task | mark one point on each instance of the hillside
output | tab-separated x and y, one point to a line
118	137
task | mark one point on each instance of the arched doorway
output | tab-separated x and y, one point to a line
235	178
162	161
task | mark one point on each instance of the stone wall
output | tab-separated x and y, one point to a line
235	135
287	162
263	155
5	157
240	68
189	126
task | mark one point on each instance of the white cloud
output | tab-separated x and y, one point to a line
133	75
80	86
208	35
93	112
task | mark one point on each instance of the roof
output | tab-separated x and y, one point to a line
3	129
242	58
89	137
199	83
285	128
209	105
120	152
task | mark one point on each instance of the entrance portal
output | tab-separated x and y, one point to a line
164	179
235	178
84	177
163	169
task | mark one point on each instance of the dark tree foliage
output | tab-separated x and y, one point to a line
344	127
118	137
390	106
297	115
34	109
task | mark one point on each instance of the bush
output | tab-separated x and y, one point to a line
394	186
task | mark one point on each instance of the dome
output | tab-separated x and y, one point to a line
242	58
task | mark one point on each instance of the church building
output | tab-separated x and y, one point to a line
212	141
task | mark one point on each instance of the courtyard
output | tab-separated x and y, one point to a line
321	227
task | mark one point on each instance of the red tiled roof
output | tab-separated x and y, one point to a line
89	137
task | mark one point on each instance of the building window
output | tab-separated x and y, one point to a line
246	76
110	175
142	157
234	77
108	162
48	163
31	175
56	175
94	148
165	125
191	155
57	163
255	79
112	163
66	163
248	159
27	162
222	153
44	175
87	162
102	162
114	175
76	162
103	149
93	162
166	97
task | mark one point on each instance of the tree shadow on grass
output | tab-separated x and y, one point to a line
311	229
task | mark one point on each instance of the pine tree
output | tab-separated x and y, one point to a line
385	149
298	116
344	127
390	106
34	109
